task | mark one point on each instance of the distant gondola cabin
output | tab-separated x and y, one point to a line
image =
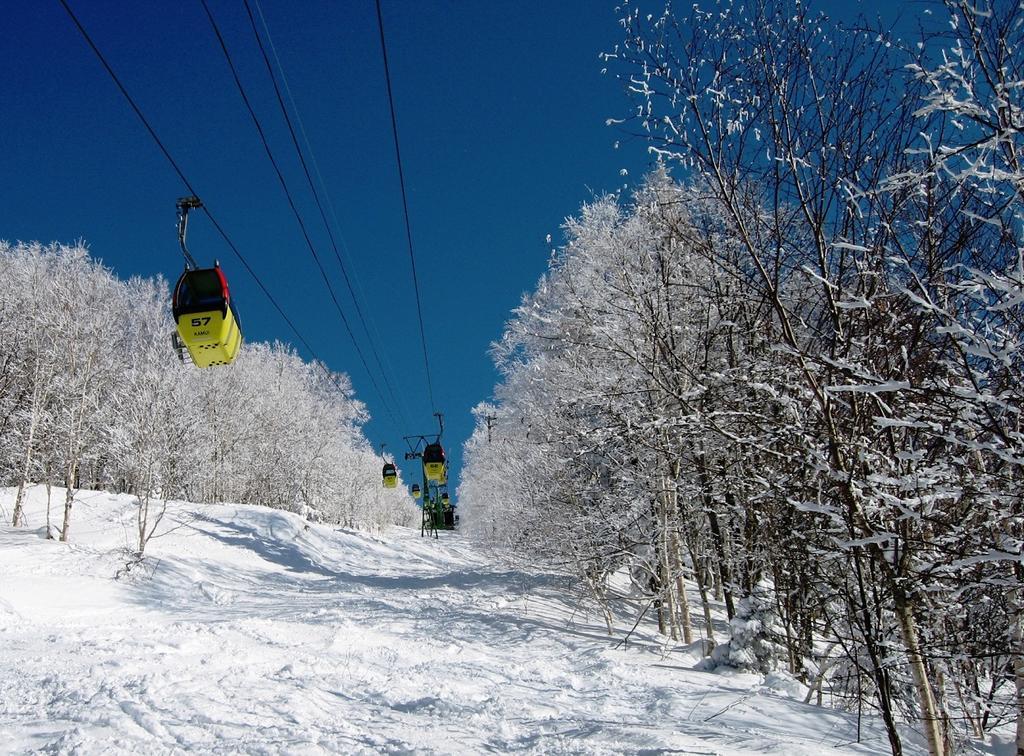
445	501
390	475
433	463
415	490
206	320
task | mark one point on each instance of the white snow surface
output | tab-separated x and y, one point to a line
248	630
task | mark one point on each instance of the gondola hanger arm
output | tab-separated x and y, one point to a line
185	204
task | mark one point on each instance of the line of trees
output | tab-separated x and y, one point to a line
793	380
93	396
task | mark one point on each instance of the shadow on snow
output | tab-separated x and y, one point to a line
300	585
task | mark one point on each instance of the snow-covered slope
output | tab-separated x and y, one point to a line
249	630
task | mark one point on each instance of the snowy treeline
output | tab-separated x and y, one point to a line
92	395
794	379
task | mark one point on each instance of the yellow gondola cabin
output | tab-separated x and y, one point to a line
390	474
434	464
207	324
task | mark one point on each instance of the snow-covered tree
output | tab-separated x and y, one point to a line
94	397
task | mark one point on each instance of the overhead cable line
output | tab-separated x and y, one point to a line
327	195
319	205
405	205
294	208
323	188
192	190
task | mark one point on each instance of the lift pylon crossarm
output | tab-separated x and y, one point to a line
414	448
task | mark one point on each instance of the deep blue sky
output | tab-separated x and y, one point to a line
501	107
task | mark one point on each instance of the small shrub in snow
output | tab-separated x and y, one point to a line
752	647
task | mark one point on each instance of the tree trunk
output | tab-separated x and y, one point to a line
68	501
676	557
38	398
18	519
143	516
930	715
597	590
724	573
685	621
859	604
75	450
1017	634
49	501
665	563
698	572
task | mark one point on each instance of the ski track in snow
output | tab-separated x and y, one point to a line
247	631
